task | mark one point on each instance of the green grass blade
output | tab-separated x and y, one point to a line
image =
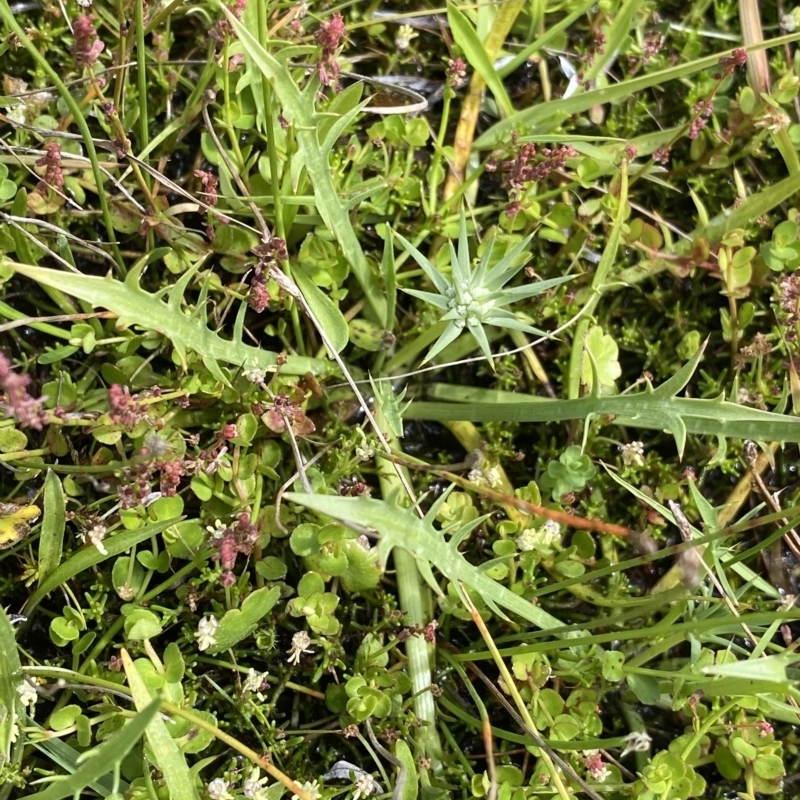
66	757
103	759
472	47
298	107
88	557
324	309
10	676
542	41
170	760
8	17
577	104
615	36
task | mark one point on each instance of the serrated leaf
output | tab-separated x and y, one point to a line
650	409
400	527
134	306
298	108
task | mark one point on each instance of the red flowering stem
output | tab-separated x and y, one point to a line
465	131
8	17
701	110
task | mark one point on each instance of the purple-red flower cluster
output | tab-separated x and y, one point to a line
210	186
702	111
270	253
87	46
15	399
223	28
234	540
51	161
123	408
329	37
729	63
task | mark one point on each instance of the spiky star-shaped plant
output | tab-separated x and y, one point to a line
472	298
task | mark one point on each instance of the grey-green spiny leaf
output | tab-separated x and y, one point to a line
135	306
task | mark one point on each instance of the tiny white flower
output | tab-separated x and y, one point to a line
14	733
255	375
254	680
526	541
27	694
300	644
311	788
96	535
636	742
494	477
405	33
365	786
773	120
791	20
552	529
217	530
254	784
365	452
218	790
539	538
490	476
206	629
599	774
633	454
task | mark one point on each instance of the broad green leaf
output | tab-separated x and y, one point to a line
410	783
238	623
51	540
179	780
326	312
100	761
605	353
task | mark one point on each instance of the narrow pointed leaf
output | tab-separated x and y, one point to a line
435	277
475	53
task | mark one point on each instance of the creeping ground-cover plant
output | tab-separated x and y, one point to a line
271	527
